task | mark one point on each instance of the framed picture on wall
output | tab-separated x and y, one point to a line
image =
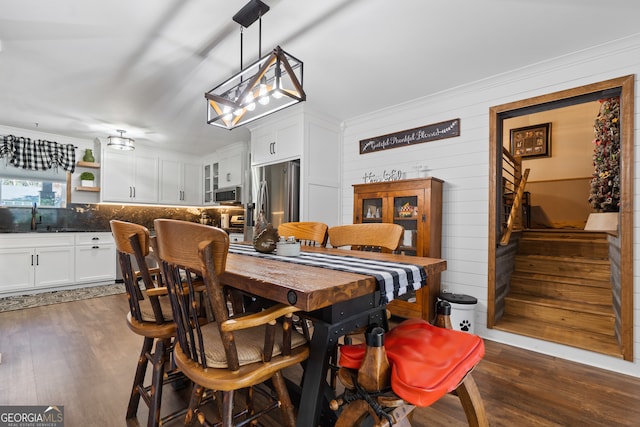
531	141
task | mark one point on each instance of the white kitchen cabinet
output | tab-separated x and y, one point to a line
279	142
225	169
54	266
17	269
231	167
145	179
180	183
95	255
191	182
170	181
116	176
298	133
130	177
36	261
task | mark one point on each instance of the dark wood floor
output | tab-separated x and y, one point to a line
81	355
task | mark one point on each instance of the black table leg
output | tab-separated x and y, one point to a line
316	392
314	380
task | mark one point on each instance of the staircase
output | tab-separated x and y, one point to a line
560	290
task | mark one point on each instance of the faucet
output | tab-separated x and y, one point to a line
34	212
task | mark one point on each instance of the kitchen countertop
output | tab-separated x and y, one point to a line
53	230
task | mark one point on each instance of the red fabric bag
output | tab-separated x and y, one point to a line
426	361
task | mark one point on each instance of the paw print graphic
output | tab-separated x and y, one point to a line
465	325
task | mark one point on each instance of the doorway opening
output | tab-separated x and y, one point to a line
500	118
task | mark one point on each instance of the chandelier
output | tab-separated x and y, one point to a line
120	142
268	85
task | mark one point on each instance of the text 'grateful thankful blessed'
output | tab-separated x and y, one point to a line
426	133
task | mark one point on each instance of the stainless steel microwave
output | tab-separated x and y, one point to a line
227	195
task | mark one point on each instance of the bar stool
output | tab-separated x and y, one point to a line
149	316
235	351
414	364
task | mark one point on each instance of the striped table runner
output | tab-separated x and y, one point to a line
394	278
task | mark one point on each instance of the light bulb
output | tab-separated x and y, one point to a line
263	100
263	97
249	101
277	88
226	113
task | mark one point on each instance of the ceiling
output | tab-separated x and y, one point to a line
84	68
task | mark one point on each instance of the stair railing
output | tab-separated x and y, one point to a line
513	184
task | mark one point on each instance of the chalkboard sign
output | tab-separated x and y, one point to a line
427	133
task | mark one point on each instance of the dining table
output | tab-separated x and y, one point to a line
336	300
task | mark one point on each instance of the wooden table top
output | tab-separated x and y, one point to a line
312	288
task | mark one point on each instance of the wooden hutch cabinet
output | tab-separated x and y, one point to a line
415	204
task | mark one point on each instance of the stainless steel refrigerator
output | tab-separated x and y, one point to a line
277	192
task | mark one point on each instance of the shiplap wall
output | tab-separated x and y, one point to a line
463	163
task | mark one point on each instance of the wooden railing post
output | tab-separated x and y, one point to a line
516	209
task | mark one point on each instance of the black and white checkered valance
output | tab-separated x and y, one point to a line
38	154
394	278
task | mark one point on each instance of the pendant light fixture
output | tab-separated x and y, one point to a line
120	142
268	85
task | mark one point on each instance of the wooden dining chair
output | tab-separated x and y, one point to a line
378	236
149	316
365	237
307	233
233	352
370	236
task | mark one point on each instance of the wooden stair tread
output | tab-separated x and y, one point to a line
540	277
557	259
599	343
589	318
598	241
561	290
588	246
599	309
569	234
564	266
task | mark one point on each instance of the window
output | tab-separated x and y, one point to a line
26	192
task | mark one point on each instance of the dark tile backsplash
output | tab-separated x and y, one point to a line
89	217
